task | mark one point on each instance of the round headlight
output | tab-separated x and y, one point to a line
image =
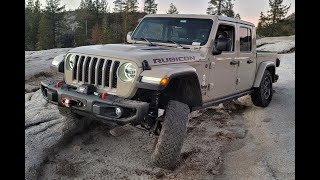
71	61
127	72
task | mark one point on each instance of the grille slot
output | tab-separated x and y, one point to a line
86	69
100	66
80	69
97	71
107	74
115	77
74	74
93	70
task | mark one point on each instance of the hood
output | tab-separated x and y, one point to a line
155	55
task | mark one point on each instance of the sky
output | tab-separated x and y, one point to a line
249	10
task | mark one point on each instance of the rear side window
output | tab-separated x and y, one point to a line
245	39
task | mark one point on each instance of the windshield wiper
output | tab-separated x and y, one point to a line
147	40
170	40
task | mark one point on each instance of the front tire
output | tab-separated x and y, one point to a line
168	148
262	95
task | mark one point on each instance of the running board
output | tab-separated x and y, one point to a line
221	100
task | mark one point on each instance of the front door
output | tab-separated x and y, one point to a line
247	58
223	70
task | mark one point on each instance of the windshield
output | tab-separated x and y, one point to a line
181	30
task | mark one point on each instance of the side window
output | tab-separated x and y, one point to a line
245	39
226	36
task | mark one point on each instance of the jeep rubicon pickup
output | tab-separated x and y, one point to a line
170	66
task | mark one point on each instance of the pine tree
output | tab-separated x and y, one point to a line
28	25
46	33
131	5
273	23
120	15
118	6
35	22
262	25
32	20
82	4
228	9
172	9
215	7
50	24
150	7
89	14
96	35
278	11
130	10
107	29
100	8
221	7
237	16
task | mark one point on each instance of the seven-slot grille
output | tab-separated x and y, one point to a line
97	71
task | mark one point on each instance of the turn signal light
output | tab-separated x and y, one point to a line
164	81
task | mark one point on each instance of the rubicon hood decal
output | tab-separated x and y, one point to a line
174	59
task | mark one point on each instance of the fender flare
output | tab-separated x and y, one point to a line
58	63
176	73
262	68
170	72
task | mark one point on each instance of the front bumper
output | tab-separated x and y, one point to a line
93	106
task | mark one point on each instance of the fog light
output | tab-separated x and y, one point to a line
119	111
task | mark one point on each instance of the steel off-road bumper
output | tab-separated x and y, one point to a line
93	106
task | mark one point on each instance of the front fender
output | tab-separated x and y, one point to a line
58	63
159	72
262	67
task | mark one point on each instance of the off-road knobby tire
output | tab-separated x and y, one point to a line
258	96
168	148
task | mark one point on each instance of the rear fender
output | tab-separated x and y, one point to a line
262	68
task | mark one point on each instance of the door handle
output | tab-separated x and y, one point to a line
234	62
249	61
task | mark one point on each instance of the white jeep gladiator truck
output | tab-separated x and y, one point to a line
170	66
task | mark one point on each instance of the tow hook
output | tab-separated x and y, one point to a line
70	102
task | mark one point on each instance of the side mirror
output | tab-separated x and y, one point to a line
129	39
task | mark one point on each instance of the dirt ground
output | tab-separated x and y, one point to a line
98	154
268	150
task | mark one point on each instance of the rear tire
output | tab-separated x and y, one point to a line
262	95
168	147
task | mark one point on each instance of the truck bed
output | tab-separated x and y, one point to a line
266	56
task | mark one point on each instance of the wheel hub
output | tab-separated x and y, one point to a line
267	88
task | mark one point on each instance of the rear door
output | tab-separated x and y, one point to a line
246	57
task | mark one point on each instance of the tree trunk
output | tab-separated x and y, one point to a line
219	8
